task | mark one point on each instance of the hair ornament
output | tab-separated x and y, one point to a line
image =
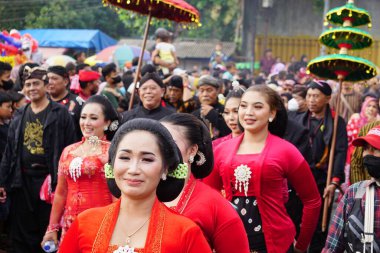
180	172
108	171
236	86
114	125
202	159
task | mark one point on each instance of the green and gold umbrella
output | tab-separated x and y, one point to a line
358	16
347	37
345	67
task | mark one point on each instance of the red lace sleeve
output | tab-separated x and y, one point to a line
61	189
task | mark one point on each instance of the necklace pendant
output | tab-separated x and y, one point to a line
128	241
242	175
94	142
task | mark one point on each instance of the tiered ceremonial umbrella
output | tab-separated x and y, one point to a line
175	10
341	66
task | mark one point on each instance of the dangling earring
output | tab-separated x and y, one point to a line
191	159
270	119
163	176
105	128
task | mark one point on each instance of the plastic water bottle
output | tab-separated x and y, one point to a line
50	246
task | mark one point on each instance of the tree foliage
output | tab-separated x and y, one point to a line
218	17
80	14
70	14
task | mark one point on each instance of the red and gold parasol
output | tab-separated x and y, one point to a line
175	10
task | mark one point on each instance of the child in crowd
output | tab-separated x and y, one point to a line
166	51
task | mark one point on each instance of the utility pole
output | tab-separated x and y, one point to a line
326	8
250	13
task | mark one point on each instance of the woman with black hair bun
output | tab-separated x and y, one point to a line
145	164
216	217
230	113
81	182
254	168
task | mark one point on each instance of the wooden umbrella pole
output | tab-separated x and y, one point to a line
137	74
332	154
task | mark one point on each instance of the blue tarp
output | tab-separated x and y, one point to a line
71	38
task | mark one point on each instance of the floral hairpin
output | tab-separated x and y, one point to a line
114	125
236	86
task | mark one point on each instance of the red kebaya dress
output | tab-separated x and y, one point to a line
168	232
216	142
264	190
86	188
218	220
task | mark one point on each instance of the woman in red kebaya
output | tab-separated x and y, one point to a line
144	165
81	182
216	217
254	168
230	114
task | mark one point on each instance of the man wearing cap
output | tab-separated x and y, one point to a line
89	83
349	228
151	90
319	120
36	137
174	96
211	110
57	89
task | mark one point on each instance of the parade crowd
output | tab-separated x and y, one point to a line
209	159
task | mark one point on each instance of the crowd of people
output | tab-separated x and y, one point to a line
211	160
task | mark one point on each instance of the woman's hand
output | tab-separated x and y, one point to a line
50	236
329	193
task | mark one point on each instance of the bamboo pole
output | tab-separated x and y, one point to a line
332	155
138	70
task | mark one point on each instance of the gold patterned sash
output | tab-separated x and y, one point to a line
155	229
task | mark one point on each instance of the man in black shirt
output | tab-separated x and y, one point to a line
59	81
319	120
36	138
151	90
211	110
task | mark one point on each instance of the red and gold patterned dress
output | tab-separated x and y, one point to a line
87	187
167	232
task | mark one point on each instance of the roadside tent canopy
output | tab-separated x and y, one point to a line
71	38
